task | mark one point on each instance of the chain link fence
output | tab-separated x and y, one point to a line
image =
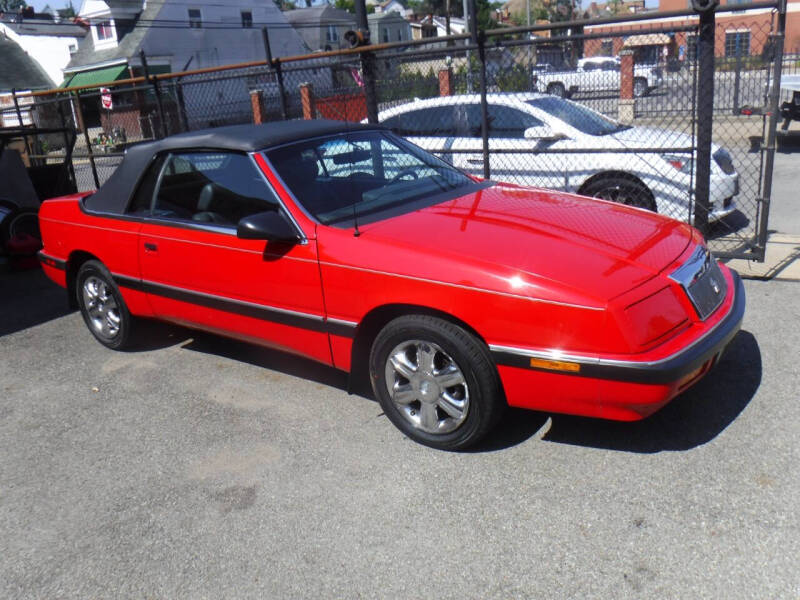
613	110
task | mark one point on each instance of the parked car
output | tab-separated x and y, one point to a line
549	142
597	74
349	245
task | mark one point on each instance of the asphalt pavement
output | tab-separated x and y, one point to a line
197	467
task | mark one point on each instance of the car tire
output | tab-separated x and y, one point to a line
557	89
102	307
621	189
435	381
639	87
20	221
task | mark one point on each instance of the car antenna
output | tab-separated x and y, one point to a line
356	232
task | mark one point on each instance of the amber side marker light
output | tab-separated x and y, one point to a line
555	365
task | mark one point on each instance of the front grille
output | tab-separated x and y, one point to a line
725	162
703	281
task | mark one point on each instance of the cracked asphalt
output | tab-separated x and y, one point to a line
198	467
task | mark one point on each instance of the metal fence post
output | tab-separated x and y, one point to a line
157	92
181	104
367	64
275	63
737	82
705	114
479	38
79	113
769	158
67	151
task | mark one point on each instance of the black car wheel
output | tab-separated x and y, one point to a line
639	87
435	381
557	89
101	304
621	189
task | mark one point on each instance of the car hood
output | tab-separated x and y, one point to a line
525	241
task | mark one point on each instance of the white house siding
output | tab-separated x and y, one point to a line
51	52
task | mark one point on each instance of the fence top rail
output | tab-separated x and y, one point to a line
771	4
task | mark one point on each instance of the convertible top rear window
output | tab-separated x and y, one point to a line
373	174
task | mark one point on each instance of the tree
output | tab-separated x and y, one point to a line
12	5
68	12
350	6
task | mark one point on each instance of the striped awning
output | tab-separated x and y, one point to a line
648	39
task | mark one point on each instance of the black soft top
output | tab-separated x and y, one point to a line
113	195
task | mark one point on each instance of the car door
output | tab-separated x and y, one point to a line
195	269
432	128
512	158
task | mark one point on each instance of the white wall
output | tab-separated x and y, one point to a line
51	52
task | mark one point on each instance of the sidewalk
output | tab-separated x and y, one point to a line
781	262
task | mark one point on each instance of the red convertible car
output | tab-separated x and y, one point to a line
349	245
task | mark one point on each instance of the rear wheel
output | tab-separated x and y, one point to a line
557	89
104	311
435	381
639	87
623	189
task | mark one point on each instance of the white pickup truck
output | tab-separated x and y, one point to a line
596	74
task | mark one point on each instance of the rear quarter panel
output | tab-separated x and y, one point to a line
69	233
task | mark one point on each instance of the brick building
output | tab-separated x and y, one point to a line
739	33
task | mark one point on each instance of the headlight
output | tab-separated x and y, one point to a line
681	162
724	159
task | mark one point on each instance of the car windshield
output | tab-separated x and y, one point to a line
577	116
372	175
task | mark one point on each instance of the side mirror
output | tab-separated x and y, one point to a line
542	132
271	225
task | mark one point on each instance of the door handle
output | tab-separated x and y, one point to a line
150	247
475	161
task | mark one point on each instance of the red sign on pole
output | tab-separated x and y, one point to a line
105	98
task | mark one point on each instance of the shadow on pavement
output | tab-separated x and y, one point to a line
29	298
267	358
692	419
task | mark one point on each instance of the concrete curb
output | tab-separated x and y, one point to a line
781	262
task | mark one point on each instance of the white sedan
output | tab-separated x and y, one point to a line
544	141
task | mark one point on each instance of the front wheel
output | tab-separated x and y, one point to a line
621	189
435	381
104	311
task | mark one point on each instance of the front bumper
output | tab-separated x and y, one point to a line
617	389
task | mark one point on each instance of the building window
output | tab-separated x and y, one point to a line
737	43
385	35
399	35
195	18
607	48
247	19
104	31
332	35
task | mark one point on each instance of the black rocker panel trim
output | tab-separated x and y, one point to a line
247	309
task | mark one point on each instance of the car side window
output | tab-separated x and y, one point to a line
504	121
436	121
211	187
142	202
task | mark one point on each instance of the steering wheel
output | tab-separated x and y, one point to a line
407	171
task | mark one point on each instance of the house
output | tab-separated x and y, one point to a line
321	27
388	6
176	36
50	42
19	72
388	27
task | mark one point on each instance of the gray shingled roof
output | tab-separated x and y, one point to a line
45	27
130	34
18	70
318	15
